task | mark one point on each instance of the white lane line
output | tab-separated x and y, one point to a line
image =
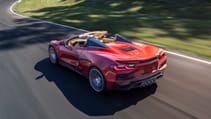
13	12
44	21
188	57
66	26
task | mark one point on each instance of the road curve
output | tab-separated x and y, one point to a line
32	88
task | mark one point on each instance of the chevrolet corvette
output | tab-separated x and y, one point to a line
109	61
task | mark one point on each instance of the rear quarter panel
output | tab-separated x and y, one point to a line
90	59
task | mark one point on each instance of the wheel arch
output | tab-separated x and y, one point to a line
105	89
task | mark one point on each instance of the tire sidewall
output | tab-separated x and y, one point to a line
56	62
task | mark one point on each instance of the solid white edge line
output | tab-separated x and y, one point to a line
188	57
66	26
44	21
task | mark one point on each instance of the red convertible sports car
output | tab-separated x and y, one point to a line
109	62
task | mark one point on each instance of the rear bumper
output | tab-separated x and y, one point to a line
140	82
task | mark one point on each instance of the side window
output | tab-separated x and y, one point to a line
72	42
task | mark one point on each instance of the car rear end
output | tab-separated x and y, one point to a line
128	74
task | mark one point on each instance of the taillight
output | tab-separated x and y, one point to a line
131	65
124	67
120	66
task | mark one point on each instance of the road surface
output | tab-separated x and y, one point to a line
32	88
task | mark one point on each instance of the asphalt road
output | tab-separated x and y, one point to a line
32	88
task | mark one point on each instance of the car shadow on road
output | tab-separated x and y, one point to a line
77	91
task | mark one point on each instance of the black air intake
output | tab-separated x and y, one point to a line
130	48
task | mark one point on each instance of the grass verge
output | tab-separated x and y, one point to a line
180	25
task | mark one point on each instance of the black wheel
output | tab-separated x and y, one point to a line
52	55
96	80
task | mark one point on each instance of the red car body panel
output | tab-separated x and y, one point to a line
144	60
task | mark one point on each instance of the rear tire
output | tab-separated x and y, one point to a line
97	80
52	55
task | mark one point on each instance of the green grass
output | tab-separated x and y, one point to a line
181	25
